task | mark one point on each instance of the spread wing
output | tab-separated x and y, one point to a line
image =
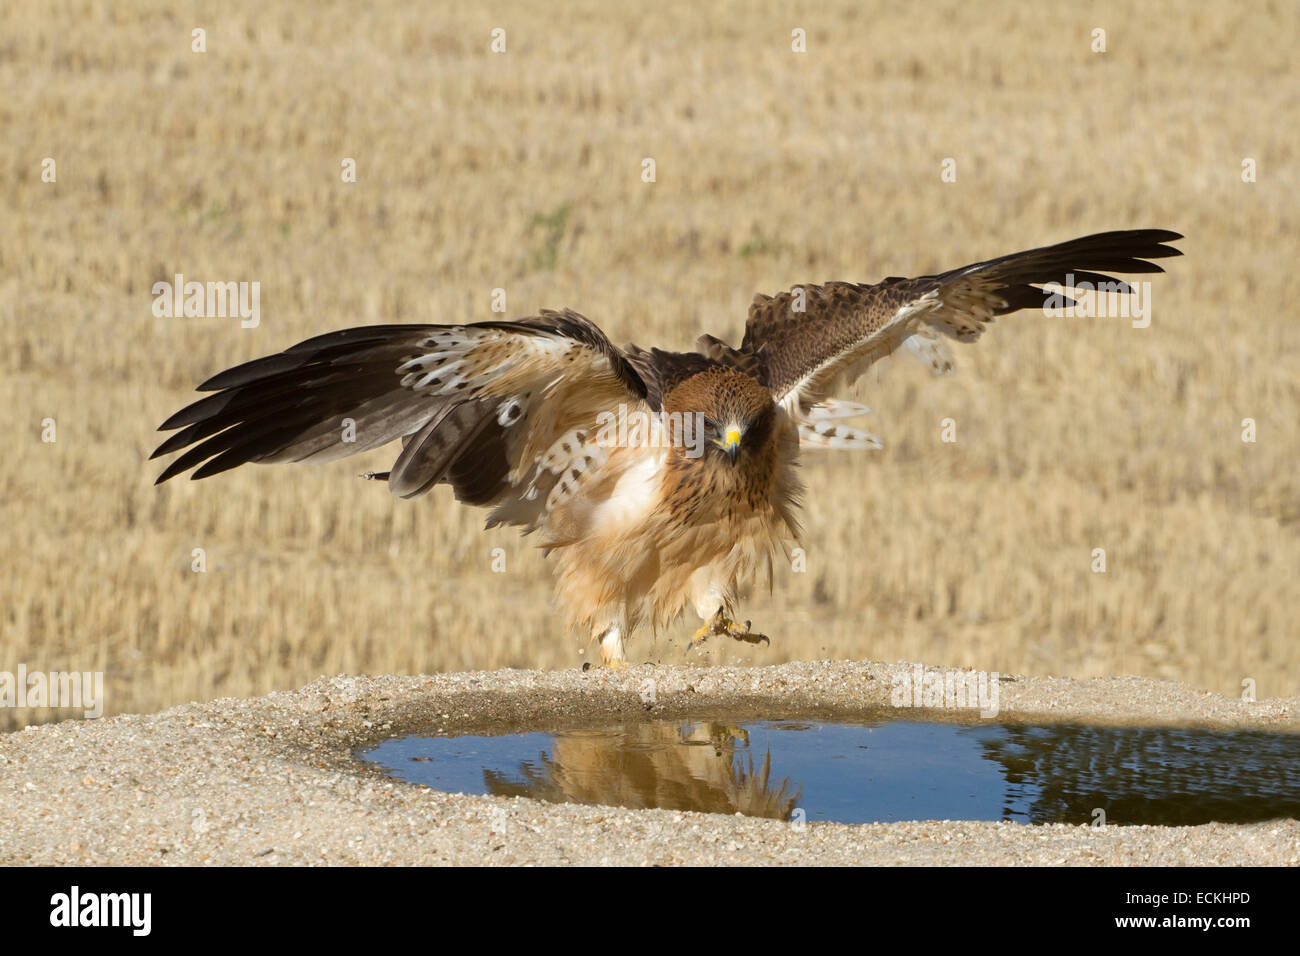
477	406
805	341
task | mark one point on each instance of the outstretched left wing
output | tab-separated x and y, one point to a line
803	342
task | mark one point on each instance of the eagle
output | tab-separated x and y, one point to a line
658	480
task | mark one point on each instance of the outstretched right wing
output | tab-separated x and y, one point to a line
477	406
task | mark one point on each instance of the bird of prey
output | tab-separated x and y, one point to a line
659	480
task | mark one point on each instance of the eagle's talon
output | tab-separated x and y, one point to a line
722	625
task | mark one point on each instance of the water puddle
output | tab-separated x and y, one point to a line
865	773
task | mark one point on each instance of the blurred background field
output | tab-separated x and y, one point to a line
522	171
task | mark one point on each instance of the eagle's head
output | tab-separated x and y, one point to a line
730	416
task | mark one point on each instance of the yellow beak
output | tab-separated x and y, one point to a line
731	443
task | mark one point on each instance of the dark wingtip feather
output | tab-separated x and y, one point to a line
171	471
223	462
253	371
198	411
174	442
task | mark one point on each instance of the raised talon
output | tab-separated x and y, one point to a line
746	634
721	624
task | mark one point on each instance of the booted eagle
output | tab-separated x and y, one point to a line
660	480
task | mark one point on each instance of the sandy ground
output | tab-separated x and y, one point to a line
273	780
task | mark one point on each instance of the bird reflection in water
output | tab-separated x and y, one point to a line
702	766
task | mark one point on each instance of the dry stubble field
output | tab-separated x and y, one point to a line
522	171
